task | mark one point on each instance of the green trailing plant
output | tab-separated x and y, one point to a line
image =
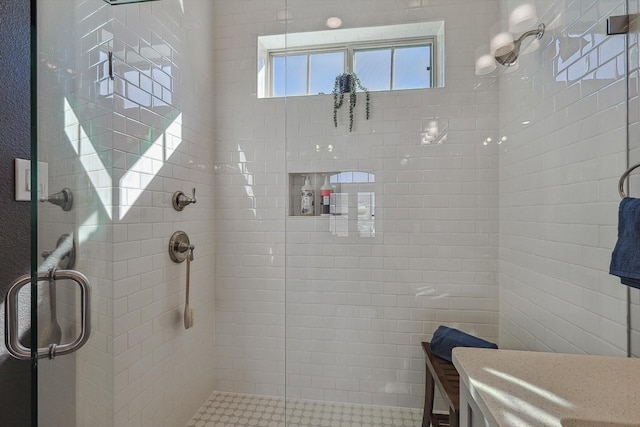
348	83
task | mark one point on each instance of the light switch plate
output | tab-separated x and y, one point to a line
23	180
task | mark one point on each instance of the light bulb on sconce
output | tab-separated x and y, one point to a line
501	44
485	62
522	17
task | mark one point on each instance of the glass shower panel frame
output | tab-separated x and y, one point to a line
72	144
357	304
633	67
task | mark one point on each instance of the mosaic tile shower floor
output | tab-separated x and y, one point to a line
244	410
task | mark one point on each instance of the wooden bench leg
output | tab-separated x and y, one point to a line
453	418
428	399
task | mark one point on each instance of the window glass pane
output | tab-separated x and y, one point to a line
277	72
411	67
290	75
373	68
324	67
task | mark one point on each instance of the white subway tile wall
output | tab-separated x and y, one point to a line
558	185
348	313
308	308
69	73
124	146
163	108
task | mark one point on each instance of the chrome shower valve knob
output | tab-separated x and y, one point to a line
181	200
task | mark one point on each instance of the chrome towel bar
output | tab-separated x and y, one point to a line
623	178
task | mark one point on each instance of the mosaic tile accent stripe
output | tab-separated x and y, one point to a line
243	410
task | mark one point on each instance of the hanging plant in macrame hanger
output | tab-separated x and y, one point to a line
348	83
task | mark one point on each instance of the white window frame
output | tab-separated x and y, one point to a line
398	44
349	50
279	53
385	35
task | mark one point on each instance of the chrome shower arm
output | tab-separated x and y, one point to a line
509	59
538	32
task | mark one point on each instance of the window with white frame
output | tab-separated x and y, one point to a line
307	64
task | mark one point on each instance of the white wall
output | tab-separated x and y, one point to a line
140	138
356	307
76	389
249	206
162	96
558	185
347	314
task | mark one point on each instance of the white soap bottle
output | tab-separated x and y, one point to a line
307	198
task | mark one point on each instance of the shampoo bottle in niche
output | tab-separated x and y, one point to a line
325	195
307	198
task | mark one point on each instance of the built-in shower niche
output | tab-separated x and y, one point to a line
352	198
316	179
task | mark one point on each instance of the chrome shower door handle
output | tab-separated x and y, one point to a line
11	338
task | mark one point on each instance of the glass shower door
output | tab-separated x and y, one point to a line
469	203
72	203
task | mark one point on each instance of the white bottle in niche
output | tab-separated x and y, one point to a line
307	198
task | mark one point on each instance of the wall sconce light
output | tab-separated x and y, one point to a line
504	48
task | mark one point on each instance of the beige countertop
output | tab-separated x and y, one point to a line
524	388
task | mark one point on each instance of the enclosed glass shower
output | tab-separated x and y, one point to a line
486	202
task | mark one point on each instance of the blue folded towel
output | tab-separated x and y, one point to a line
445	339
625	260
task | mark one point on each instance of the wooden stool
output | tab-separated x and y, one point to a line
443	374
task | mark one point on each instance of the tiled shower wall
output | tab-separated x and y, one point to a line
139	138
357	306
558	185
250	185
76	389
162	143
